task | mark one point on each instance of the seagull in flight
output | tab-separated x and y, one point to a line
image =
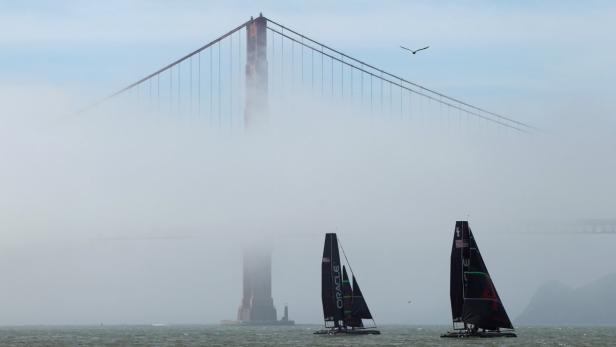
414	51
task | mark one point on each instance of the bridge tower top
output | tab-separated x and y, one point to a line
256	72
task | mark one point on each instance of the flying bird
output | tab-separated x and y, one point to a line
414	51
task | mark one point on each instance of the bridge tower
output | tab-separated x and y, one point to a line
257	304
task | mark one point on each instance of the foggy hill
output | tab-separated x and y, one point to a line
556	304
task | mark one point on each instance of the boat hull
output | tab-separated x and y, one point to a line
480	334
343	332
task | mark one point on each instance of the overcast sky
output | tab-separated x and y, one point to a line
126	221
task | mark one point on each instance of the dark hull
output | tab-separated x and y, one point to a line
481	334
343	332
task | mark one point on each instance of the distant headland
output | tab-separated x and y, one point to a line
593	304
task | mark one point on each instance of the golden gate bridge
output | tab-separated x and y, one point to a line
213	82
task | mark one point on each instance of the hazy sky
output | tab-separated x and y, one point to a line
125	221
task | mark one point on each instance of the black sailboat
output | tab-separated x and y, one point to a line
344	307
476	308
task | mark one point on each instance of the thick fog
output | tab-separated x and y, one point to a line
115	217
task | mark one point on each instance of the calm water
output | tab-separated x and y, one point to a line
286	336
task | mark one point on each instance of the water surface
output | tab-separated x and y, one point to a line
300	335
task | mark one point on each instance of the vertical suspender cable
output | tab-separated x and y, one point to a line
401	100
231	80
190	110
322	74
219	88
342	77
273	62
150	101
211	84
332	63
199	87
352	68
381	92
282	63
239	72
312	70
412	104
391	100
361	90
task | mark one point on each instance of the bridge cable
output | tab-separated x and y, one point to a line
402	79
383	79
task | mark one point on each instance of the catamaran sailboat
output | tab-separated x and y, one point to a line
344	307
476	308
